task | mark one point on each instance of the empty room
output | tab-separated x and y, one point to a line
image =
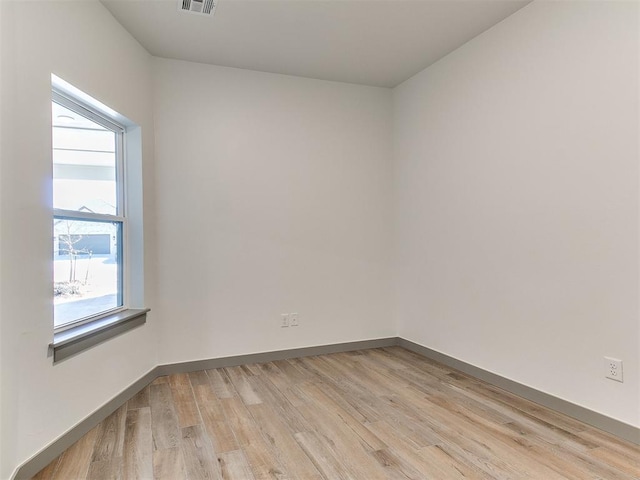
319	239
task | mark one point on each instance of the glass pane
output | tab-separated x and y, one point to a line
84	163
87	268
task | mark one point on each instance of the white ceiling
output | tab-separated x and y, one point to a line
371	42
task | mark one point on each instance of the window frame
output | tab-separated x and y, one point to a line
82	108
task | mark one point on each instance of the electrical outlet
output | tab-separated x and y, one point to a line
613	369
284	320
293	319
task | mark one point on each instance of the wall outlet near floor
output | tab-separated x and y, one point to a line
613	369
293	319
284	320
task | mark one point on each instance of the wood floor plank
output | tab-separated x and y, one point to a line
560	436
110	436
394	360
264	463
234	466
408	458
407	419
240	421
168	464
431	385
573	464
383	413
138	445
450	466
221	384
486	443
48	472
290	371
396	467
139	400
183	400
164	421
306	375
270	394
239	377
260	456
286	448
334	410
339	387
606	440
347	447
251	369
110	469
547	455
406	423
367	380
357	411
160	380
322	457
199	377
75	461
465	461
510	402
214	419
622	463
283	382
199	457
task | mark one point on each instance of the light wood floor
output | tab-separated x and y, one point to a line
372	414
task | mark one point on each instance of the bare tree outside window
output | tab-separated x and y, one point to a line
67	245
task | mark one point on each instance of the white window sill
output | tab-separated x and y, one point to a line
75	340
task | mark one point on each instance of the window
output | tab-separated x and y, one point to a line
89	224
98	237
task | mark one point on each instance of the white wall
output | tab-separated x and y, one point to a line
515	208
81	43
517	202
276	198
6	383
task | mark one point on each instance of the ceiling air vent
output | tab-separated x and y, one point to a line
200	7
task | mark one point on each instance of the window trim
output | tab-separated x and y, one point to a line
81	337
82	108
92	113
75	338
